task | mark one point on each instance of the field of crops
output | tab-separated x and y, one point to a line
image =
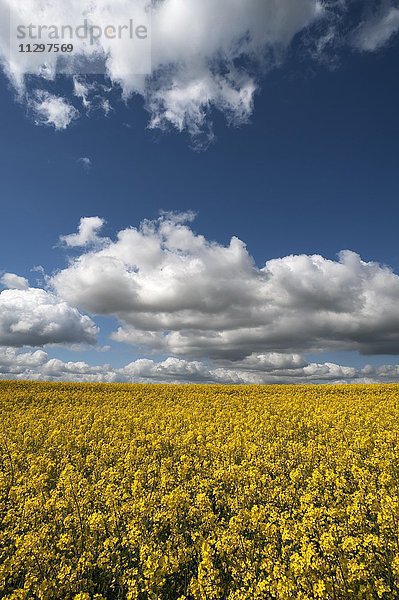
198	492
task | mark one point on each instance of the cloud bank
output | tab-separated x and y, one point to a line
38	365
205	55
199	311
175	292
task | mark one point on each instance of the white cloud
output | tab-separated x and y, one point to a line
86	162
82	91
378	29
197	48
205	55
55	369
52	110
177	293
34	317
88	230
92	95
209	308
13	362
16	364
13	281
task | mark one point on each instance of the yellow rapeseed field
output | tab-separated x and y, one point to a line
198	492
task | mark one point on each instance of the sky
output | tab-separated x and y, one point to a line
229	216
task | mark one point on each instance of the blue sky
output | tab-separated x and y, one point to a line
311	171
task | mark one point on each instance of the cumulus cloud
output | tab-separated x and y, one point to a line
214	313
52	110
35	317
204	55
271	368
87	232
178	293
16	364
13	281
